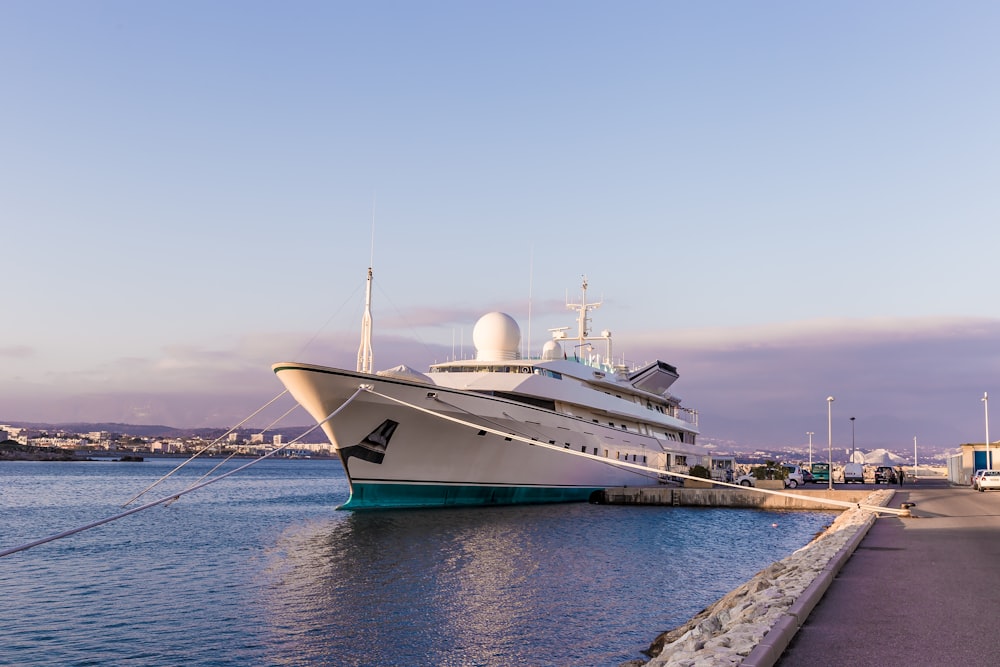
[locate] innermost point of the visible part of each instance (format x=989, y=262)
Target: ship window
x=552, y=442
x=583, y=449
x=507, y=439
x=644, y=458
x=482, y=433
x=611, y=424
x=605, y=453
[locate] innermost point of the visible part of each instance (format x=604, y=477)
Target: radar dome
x=552, y=350
x=496, y=337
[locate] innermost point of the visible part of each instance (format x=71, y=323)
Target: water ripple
x=261, y=570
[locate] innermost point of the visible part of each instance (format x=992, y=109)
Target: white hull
x=396, y=454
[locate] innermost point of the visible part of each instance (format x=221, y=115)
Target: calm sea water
x=260, y=570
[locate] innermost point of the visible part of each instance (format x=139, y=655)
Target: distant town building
x=15, y=433
x=167, y=446
x=971, y=457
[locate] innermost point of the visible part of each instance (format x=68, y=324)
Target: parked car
x=794, y=477
x=885, y=474
x=820, y=473
x=806, y=476
x=854, y=472
x=975, y=479
x=990, y=479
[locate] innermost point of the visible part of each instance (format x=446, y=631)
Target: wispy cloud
x=753, y=386
x=900, y=378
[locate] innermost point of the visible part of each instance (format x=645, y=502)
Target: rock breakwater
x=752, y=624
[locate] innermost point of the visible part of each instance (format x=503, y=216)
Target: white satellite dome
x=496, y=337
x=552, y=350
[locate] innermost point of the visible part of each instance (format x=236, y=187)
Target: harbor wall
x=797, y=499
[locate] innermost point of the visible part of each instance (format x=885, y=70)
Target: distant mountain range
x=160, y=431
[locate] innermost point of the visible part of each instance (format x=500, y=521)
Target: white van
x=854, y=472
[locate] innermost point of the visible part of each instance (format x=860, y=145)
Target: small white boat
x=499, y=429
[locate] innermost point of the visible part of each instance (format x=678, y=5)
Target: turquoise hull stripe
x=385, y=496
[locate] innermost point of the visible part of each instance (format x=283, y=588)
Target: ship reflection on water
x=551, y=584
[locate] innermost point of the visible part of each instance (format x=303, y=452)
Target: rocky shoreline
x=12, y=451
x=735, y=630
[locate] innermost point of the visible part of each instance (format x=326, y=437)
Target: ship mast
x=583, y=321
x=365, y=351
x=583, y=308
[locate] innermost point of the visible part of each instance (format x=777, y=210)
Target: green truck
x=820, y=473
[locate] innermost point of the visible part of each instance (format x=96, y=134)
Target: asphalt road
x=917, y=591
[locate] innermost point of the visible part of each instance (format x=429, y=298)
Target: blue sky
x=787, y=200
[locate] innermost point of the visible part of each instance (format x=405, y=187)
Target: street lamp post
x=986, y=408
x=810, y=434
x=829, y=438
x=914, y=458
x=852, y=439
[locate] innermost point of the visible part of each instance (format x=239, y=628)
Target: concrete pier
x=796, y=499
x=890, y=591
x=918, y=591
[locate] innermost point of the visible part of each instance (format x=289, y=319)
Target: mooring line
x=175, y=496
x=202, y=451
x=624, y=464
x=521, y=424
x=233, y=454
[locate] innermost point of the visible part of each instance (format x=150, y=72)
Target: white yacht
x=499, y=429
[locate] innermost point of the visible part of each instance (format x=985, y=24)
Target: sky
x=786, y=200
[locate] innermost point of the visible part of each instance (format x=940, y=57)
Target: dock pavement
x=923, y=590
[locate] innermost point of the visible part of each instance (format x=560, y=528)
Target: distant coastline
x=11, y=450
x=14, y=451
